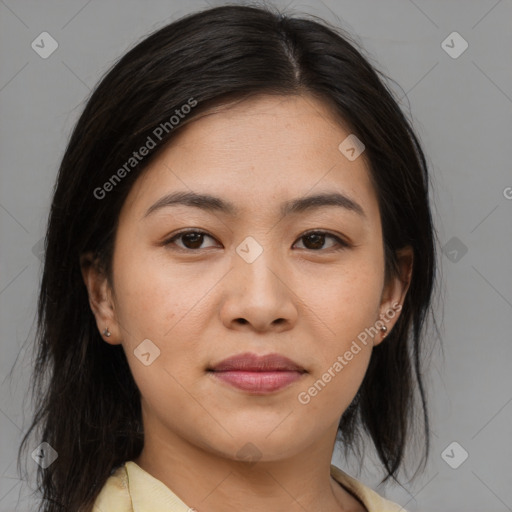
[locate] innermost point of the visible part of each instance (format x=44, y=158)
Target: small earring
x=107, y=333
x=384, y=330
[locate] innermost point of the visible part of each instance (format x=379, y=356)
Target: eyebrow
x=208, y=202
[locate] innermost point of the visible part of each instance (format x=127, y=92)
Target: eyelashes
x=319, y=235
x=199, y=236
x=192, y=239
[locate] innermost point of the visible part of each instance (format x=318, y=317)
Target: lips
x=253, y=363
x=258, y=374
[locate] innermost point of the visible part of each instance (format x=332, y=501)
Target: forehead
x=256, y=154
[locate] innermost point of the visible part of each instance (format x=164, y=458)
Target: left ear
x=394, y=292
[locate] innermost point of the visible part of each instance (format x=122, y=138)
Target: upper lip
x=254, y=363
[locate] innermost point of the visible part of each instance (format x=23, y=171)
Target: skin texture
x=300, y=298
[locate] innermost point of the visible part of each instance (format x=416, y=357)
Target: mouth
x=258, y=374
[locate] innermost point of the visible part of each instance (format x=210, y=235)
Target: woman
x=239, y=262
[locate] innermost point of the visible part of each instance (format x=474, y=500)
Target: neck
x=208, y=482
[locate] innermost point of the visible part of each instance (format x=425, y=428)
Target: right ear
x=100, y=298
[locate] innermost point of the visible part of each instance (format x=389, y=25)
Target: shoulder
x=131, y=489
x=114, y=495
x=370, y=499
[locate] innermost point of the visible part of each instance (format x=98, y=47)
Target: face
x=261, y=269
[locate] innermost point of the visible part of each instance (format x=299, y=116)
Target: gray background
x=462, y=111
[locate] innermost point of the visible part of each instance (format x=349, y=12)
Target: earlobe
x=100, y=299
x=394, y=292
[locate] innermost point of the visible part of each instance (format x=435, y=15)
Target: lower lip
x=259, y=382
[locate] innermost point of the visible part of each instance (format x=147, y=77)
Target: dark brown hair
x=88, y=405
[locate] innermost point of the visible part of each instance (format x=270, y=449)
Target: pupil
x=317, y=240
x=193, y=238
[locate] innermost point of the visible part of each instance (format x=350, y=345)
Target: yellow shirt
x=132, y=489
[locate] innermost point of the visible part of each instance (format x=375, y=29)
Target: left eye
x=191, y=239
x=315, y=240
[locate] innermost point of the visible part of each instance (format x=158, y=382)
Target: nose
x=257, y=296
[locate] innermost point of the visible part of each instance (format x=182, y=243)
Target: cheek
x=168, y=307
x=343, y=309
x=155, y=296
x=346, y=301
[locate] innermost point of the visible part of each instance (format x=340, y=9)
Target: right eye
x=191, y=239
